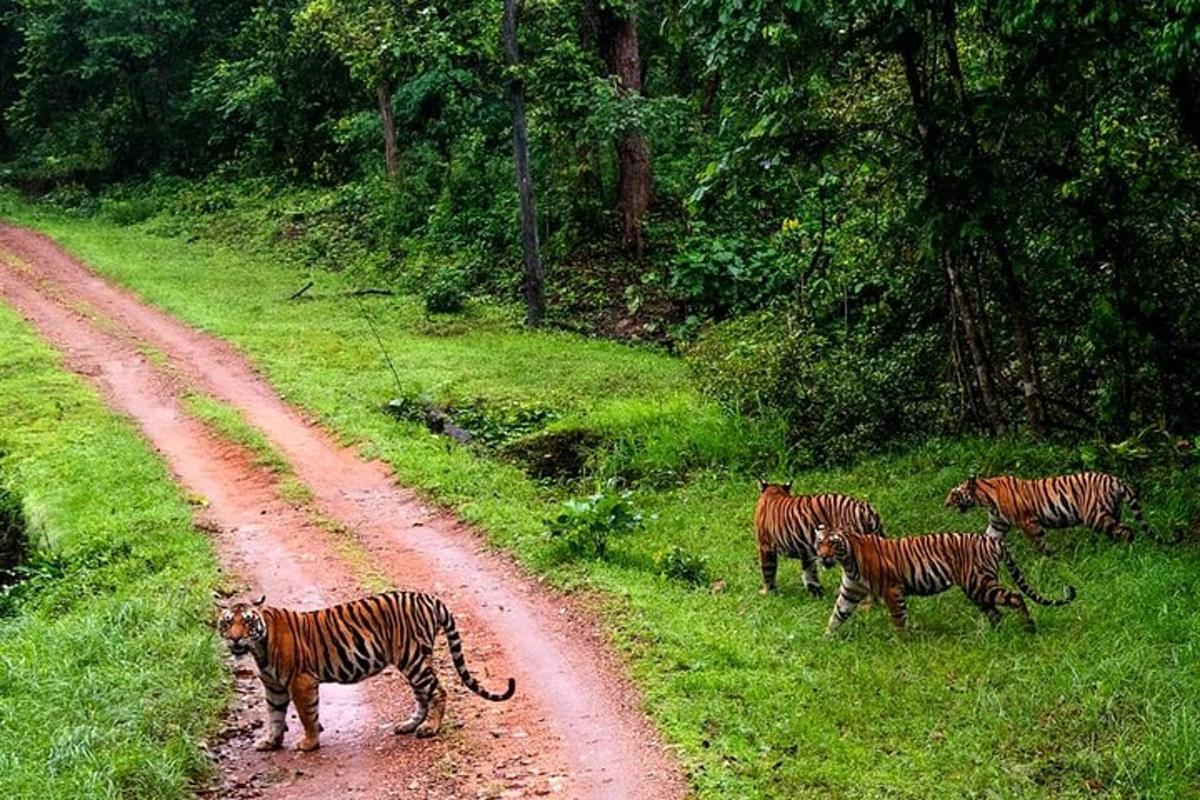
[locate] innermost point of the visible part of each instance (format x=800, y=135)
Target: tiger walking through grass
x=786, y=524
x=894, y=569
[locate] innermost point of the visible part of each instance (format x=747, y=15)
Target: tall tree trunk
x=928, y=134
x=1026, y=344
x=1187, y=101
x=1022, y=321
x=391, y=156
x=975, y=343
x=618, y=41
x=535, y=299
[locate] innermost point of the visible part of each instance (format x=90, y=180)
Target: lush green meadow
x=1101, y=700
x=109, y=676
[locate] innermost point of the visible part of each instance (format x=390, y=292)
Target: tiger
x=786, y=524
x=1086, y=498
x=892, y=569
x=296, y=651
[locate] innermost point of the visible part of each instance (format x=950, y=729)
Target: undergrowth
x=756, y=701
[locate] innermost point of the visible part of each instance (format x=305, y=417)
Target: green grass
x=109, y=674
x=759, y=704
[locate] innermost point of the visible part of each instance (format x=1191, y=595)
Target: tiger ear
x=971, y=481
x=762, y=484
x=787, y=487
x=819, y=532
x=262, y=598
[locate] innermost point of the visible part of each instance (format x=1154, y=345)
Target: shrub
x=445, y=292
x=677, y=564
x=585, y=525
x=836, y=397
x=1164, y=469
x=721, y=275
x=14, y=537
x=131, y=212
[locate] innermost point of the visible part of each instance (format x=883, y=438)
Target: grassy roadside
x=1101, y=700
x=109, y=678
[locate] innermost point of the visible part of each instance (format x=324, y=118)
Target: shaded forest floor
x=759, y=703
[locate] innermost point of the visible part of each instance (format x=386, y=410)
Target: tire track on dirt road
x=574, y=729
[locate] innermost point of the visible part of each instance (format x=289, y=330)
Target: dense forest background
x=867, y=222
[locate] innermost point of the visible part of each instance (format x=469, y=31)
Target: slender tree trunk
x=1022, y=321
x=535, y=300
x=927, y=131
x=391, y=156
x=1187, y=101
x=709, y=101
x=1026, y=344
x=618, y=40
x=975, y=343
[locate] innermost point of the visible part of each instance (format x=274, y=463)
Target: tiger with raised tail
x=893, y=569
x=786, y=524
x=1092, y=499
x=296, y=651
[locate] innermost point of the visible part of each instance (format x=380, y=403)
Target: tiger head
x=964, y=496
x=784, y=489
x=243, y=627
x=832, y=547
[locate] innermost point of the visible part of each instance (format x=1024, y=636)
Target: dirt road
x=574, y=728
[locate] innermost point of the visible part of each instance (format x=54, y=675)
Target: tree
x=265, y=94
x=104, y=85
x=368, y=36
x=535, y=301
x=10, y=87
x=617, y=37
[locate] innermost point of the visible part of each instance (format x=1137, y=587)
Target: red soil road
x=574, y=728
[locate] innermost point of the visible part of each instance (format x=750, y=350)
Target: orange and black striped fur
x=296, y=651
x=893, y=569
x=1086, y=498
x=786, y=525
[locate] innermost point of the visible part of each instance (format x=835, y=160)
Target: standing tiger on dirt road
x=893, y=569
x=1086, y=498
x=296, y=651
x=786, y=524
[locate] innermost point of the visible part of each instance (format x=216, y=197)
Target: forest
x=868, y=221
x=578, y=272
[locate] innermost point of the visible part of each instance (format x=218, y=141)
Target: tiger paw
x=308, y=744
x=426, y=731
x=268, y=743
x=815, y=590
x=404, y=728
x=766, y=590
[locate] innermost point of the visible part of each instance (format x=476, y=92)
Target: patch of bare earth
x=574, y=728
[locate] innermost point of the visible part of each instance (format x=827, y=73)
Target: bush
x=585, y=525
x=14, y=537
x=1162, y=468
x=721, y=275
x=678, y=564
x=445, y=292
x=837, y=398
x=131, y=212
